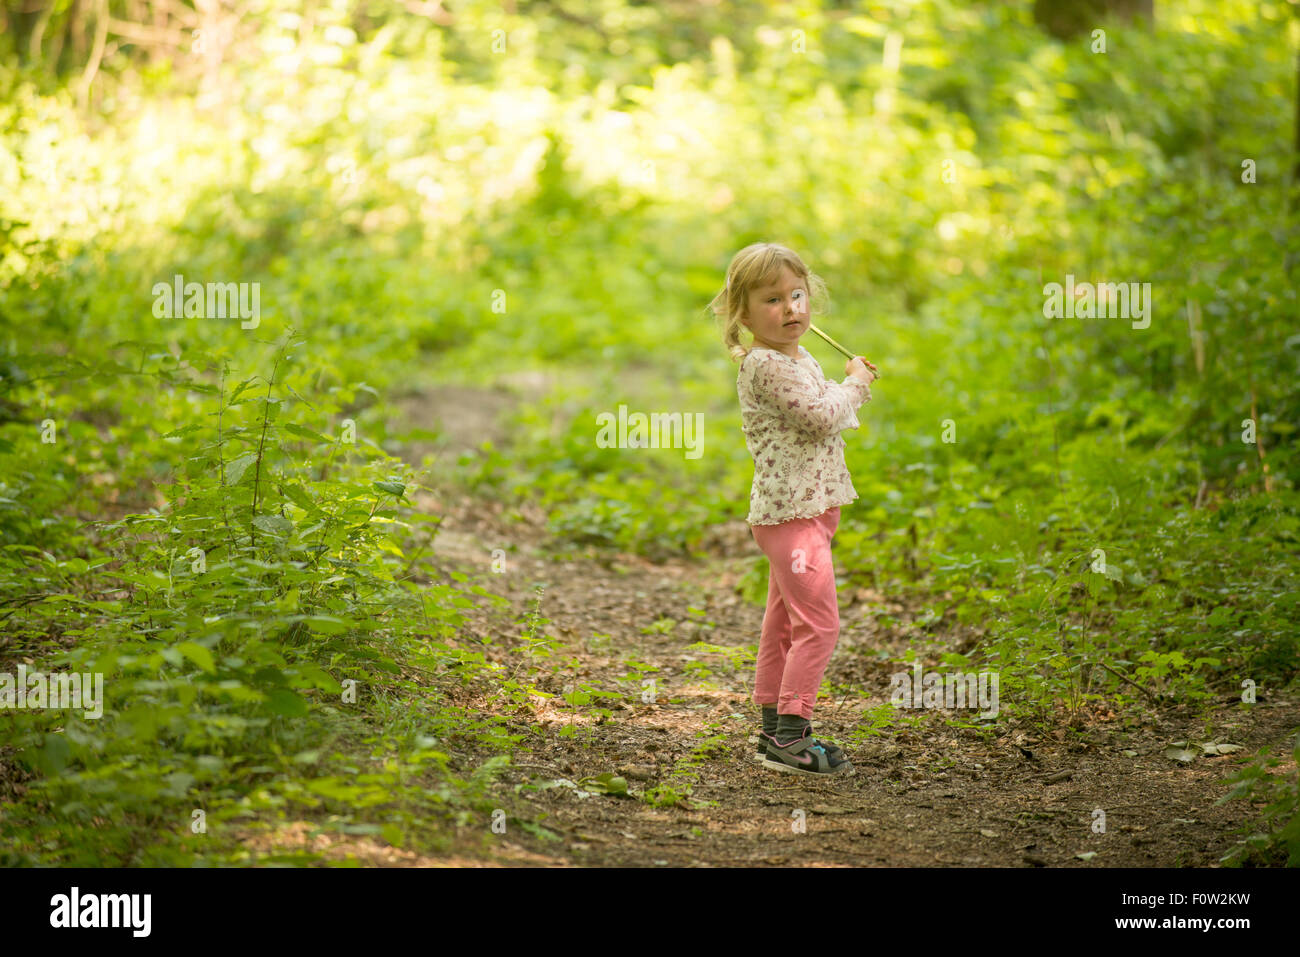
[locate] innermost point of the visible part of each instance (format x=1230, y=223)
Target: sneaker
x=805, y=755
x=833, y=751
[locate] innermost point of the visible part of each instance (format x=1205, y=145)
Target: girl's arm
x=789, y=391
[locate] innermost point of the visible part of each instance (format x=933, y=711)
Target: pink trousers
x=802, y=621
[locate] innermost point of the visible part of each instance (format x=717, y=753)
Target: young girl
x=792, y=418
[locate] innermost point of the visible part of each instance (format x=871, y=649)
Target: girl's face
x=777, y=313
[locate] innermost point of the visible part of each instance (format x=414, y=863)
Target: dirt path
x=921, y=795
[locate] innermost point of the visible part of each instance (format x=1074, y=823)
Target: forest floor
x=922, y=793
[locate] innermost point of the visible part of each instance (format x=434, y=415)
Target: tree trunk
x=1064, y=19
x=1295, y=170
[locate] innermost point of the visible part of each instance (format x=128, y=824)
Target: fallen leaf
x=605, y=784
x=1212, y=748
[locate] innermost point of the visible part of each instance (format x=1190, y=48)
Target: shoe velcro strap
x=797, y=746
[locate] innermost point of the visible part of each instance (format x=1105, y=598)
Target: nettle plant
x=256, y=606
x=1272, y=839
x=537, y=654
x=283, y=552
x=518, y=692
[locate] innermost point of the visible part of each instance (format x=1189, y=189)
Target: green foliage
x=1273, y=839
x=733, y=660
x=879, y=718
x=240, y=628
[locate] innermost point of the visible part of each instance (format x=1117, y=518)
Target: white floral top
x=792, y=417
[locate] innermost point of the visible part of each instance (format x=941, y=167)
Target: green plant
x=686, y=770
x=1173, y=673
x=875, y=720
x=1274, y=837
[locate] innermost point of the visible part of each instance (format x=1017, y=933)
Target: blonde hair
x=755, y=266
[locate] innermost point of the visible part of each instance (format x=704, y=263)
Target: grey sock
x=790, y=726
x=769, y=719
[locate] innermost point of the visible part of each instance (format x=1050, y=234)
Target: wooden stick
x=835, y=345
x=832, y=342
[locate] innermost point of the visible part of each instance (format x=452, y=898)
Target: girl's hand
x=861, y=368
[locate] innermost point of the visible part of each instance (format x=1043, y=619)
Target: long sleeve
x=821, y=410
x=850, y=418
x=792, y=416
